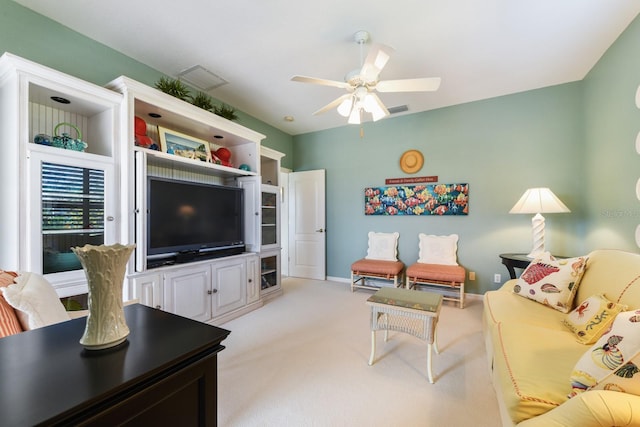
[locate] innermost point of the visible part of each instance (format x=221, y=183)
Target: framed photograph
x=179, y=144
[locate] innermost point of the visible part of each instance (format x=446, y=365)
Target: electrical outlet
x=497, y=278
x=472, y=275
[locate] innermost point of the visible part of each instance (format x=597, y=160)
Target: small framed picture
x=179, y=144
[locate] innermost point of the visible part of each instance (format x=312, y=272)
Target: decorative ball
x=245, y=167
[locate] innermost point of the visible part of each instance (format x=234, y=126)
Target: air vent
x=201, y=78
x=398, y=109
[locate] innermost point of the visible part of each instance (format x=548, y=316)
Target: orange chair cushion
x=442, y=273
x=372, y=266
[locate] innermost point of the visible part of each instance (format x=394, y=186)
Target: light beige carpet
x=301, y=360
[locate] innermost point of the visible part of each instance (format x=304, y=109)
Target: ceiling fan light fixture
x=370, y=104
x=354, y=117
x=344, y=109
x=378, y=114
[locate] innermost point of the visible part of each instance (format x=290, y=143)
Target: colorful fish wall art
x=431, y=199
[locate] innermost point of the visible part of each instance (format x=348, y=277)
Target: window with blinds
x=72, y=213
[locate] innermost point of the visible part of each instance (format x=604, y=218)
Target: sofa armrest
x=594, y=408
x=508, y=285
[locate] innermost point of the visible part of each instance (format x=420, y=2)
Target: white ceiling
x=480, y=48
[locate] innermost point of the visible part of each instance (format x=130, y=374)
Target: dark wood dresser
x=164, y=374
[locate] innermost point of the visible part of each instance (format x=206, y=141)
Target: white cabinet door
x=71, y=203
x=253, y=280
x=229, y=285
x=187, y=292
x=251, y=186
x=147, y=289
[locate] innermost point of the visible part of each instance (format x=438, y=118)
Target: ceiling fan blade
x=324, y=82
x=375, y=62
x=333, y=104
x=427, y=84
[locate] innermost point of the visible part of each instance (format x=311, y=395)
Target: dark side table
x=513, y=261
x=164, y=374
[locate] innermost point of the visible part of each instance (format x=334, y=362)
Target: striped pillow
x=9, y=324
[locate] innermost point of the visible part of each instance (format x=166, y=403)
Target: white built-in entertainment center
x=212, y=284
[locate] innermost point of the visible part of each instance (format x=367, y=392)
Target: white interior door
x=307, y=229
x=284, y=220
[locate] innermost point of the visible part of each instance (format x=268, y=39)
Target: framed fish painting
x=417, y=200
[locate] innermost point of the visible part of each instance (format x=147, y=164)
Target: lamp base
x=537, y=223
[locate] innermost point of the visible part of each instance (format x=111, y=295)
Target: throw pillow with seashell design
x=613, y=362
x=552, y=282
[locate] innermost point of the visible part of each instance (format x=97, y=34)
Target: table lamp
x=538, y=201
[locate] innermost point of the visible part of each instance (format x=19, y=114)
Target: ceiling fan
x=361, y=85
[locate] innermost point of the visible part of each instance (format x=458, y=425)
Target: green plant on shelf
x=176, y=88
x=203, y=101
x=173, y=87
x=225, y=111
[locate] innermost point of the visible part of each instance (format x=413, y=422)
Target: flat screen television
x=188, y=217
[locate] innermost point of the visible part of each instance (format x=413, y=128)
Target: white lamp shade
x=354, y=117
x=344, y=109
x=538, y=200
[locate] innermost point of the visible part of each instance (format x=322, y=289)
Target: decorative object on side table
x=104, y=266
x=538, y=201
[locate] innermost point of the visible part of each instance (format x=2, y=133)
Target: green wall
x=612, y=165
x=32, y=36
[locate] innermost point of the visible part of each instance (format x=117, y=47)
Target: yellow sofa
x=531, y=353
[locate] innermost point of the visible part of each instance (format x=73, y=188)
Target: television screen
x=187, y=216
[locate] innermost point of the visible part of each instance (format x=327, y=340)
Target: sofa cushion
x=9, y=323
x=505, y=306
x=383, y=246
x=615, y=272
x=592, y=318
x=552, y=282
x=532, y=364
x=36, y=302
x=438, y=249
x=612, y=363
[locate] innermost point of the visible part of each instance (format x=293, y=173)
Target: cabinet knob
x=320, y=230
x=250, y=280
x=110, y=218
x=158, y=307
x=213, y=291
